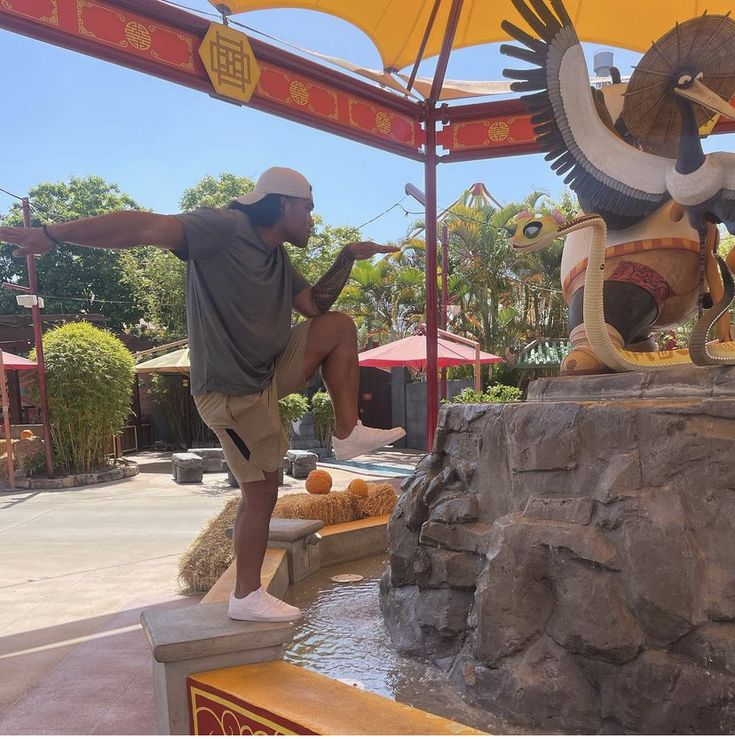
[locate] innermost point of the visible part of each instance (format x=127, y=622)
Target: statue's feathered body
x=651, y=281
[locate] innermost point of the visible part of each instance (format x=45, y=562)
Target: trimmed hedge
x=89, y=375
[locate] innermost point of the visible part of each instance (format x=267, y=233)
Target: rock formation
x=571, y=559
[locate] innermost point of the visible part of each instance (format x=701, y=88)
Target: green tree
x=506, y=297
x=502, y=298
x=158, y=280
x=74, y=279
x=215, y=192
x=386, y=300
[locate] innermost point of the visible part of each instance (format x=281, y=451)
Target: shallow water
x=342, y=636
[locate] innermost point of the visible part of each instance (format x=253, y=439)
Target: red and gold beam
x=160, y=40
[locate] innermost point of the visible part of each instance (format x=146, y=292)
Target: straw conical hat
x=705, y=44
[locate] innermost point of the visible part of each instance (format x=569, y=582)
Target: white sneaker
x=260, y=605
x=364, y=439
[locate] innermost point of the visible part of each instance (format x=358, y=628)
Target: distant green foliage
x=292, y=408
x=215, y=192
x=35, y=465
x=74, y=279
x=321, y=407
x=170, y=394
x=158, y=280
x=468, y=395
x=493, y=394
x=89, y=377
x=503, y=394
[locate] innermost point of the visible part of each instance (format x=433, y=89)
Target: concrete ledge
x=291, y=529
x=300, y=538
x=123, y=469
x=196, y=638
x=296, y=700
x=273, y=576
x=204, y=631
x=673, y=382
x=346, y=542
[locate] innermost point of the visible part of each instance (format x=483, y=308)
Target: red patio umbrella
x=14, y=362
x=411, y=352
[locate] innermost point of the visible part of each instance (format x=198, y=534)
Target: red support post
x=445, y=298
x=38, y=341
x=432, y=389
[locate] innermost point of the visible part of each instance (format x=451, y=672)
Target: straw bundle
x=24, y=452
x=210, y=554
x=332, y=508
x=380, y=500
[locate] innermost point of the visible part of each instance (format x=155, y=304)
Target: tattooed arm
x=328, y=288
x=320, y=298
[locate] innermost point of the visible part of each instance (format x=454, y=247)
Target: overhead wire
x=397, y=204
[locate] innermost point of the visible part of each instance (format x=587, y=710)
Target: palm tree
x=386, y=299
x=505, y=298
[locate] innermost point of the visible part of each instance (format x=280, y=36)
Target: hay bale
x=380, y=500
x=24, y=453
x=332, y=508
x=210, y=554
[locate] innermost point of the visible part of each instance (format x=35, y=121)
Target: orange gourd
x=26, y=434
x=318, y=482
x=358, y=486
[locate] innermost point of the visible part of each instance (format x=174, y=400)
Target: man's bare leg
x=332, y=343
x=250, y=536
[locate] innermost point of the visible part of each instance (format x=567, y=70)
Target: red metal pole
x=445, y=300
x=432, y=389
x=6, y=424
x=38, y=341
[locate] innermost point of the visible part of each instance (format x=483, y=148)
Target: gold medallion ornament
x=298, y=92
x=498, y=131
x=382, y=122
x=138, y=36
x=230, y=62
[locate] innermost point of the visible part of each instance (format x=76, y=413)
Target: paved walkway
x=76, y=568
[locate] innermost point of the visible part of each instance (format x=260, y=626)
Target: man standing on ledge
x=245, y=355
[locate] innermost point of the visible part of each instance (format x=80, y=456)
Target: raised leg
x=332, y=343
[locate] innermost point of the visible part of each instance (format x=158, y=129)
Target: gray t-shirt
x=238, y=302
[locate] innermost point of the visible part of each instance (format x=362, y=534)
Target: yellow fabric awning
x=397, y=27
x=174, y=362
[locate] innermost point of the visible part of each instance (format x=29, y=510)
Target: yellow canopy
x=174, y=362
x=397, y=27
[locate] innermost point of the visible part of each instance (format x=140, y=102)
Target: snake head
x=531, y=232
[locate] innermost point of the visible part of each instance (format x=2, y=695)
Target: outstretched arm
x=320, y=298
x=120, y=230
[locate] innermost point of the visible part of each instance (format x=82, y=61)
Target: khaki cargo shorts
x=248, y=426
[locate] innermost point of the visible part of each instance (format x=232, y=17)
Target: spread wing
x=609, y=176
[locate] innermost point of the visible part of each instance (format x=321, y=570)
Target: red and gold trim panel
x=214, y=712
x=487, y=133
x=124, y=31
x=305, y=96
x=633, y=247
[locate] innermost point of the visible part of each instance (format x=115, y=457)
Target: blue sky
x=67, y=114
